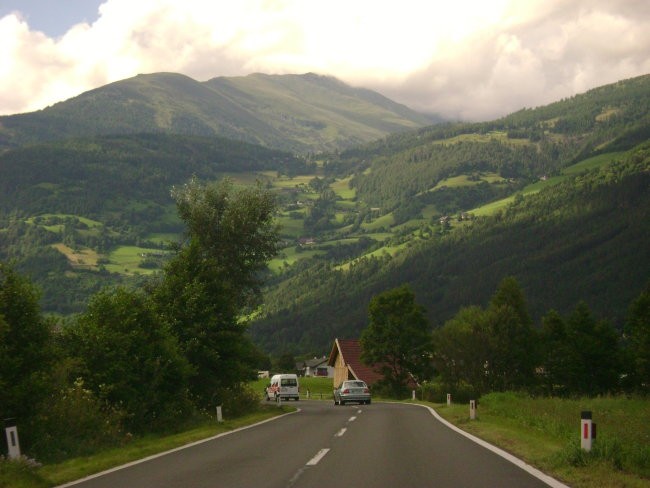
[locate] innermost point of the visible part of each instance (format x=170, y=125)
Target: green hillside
x=443, y=194
x=557, y=196
x=80, y=214
x=302, y=113
x=584, y=239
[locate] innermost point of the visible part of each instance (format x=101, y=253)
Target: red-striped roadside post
x=587, y=430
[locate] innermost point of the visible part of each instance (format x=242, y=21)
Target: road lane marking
x=176, y=449
x=316, y=459
x=352, y=419
x=341, y=432
x=549, y=480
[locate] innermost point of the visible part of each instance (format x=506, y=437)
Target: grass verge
x=544, y=432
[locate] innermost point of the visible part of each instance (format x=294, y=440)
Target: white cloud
x=469, y=59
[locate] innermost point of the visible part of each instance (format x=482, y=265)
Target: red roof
x=350, y=351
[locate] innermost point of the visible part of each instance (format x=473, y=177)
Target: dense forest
x=585, y=239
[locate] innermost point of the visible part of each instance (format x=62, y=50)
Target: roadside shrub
x=73, y=423
x=436, y=392
x=239, y=400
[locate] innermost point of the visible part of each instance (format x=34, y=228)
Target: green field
x=586, y=165
x=127, y=259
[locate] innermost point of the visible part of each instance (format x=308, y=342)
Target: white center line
x=352, y=419
x=341, y=432
x=316, y=459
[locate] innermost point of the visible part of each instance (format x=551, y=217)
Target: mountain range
x=371, y=194
x=292, y=112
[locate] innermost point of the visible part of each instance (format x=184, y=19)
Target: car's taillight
x=346, y=391
x=366, y=390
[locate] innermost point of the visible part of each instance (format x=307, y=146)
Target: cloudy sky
x=467, y=59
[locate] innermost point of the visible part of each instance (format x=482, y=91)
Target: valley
x=81, y=213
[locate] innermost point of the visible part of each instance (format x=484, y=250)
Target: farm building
x=345, y=358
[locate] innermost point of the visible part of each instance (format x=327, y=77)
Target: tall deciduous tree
x=397, y=338
x=25, y=352
x=491, y=349
x=214, y=276
x=130, y=359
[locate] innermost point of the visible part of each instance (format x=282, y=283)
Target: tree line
x=498, y=348
x=144, y=359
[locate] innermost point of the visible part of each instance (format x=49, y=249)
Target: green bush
x=436, y=392
x=239, y=401
x=74, y=423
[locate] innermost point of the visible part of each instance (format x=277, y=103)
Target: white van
x=283, y=386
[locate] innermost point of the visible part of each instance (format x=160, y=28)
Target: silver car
x=352, y=391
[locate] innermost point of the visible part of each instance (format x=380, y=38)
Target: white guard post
x=587, y=431
x=413, y=394
x=472, y=409
x=219, y=414
x=11, y=431
x=448, y=399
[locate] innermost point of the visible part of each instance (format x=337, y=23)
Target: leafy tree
x=130, y=358
x=214, y=277
x=489, y=350
x=637, y=330
x=460, y=353
x=25, y=346
x=397, y=338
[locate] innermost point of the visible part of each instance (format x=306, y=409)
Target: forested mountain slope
x=521, y=147
x=585, y=239
x=90, y=176
x=81, y=214
x=300, y=113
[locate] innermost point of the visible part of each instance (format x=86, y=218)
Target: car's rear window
x=355, y=384
x=288, y=382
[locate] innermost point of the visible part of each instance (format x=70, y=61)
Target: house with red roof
x=345, y=358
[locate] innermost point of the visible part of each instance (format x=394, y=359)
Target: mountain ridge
x=301, y=113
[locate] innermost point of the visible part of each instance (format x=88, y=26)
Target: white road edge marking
x=161, y=454
x=506, y=455
x=316, y=459
x=341, y=432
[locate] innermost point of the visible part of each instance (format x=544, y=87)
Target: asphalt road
x=322, y=445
